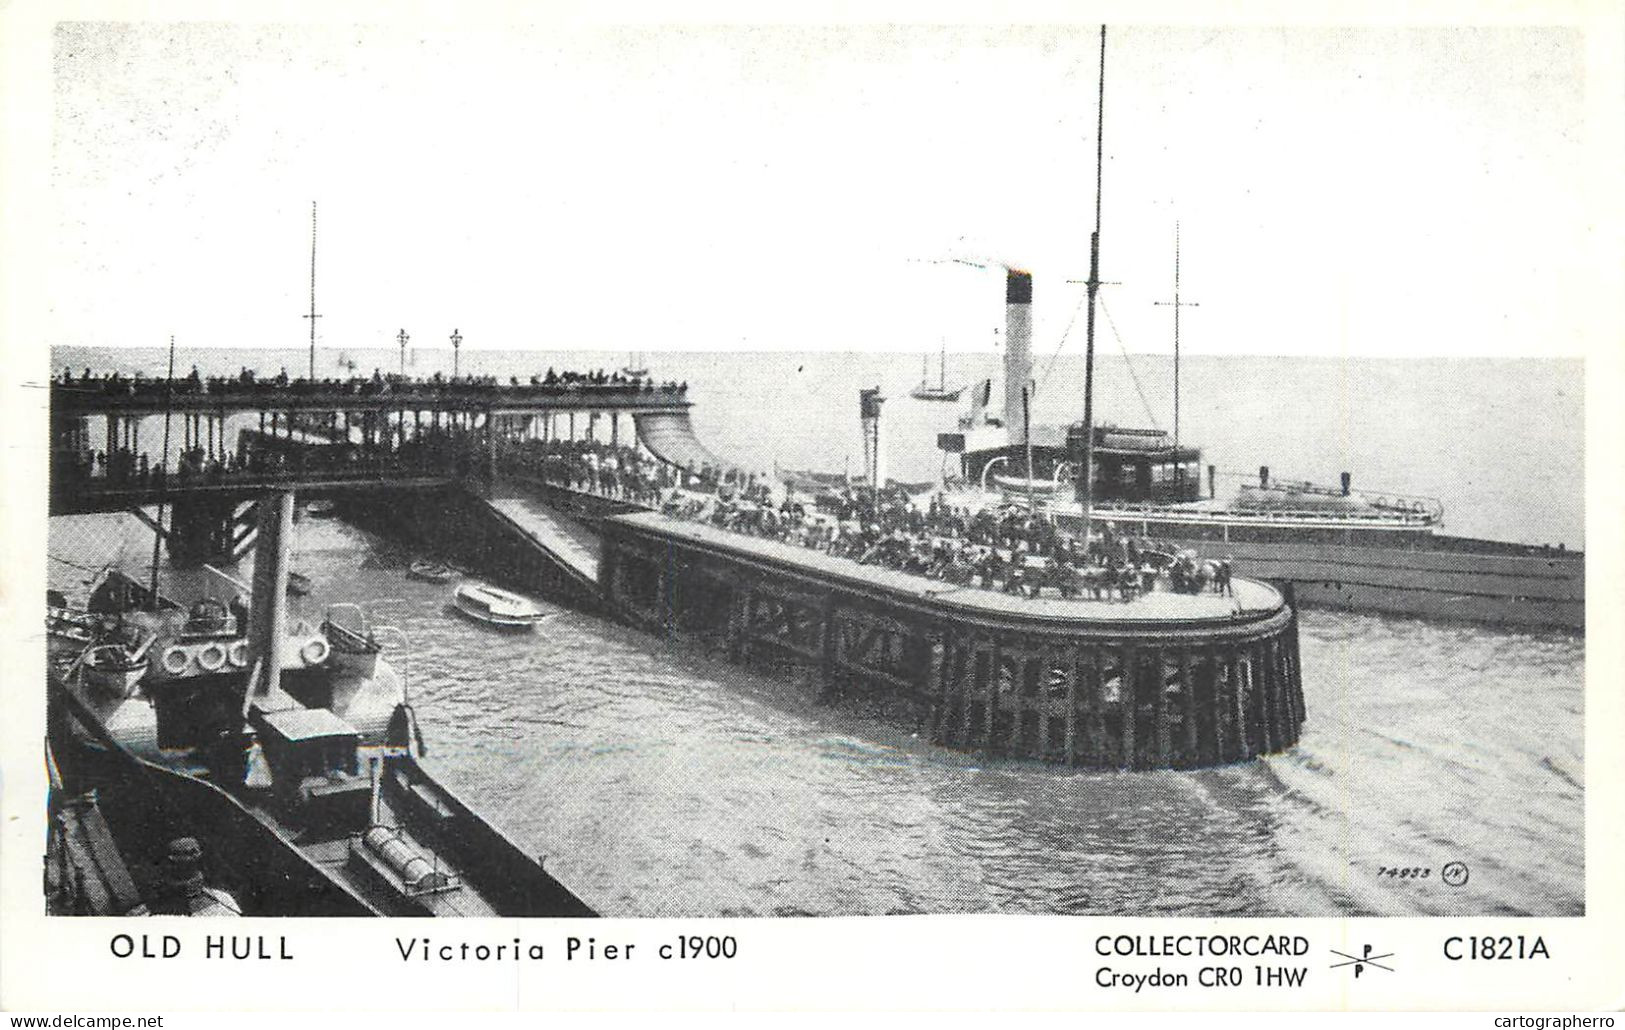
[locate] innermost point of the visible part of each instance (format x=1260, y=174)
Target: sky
x=1356, y=191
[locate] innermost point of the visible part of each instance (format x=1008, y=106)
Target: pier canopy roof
x=670, y=437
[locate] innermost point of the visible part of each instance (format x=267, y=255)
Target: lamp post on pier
x=402, y=337
x=456, y=346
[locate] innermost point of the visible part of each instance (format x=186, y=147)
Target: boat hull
x=431, y=573
x=512, y=625
x=273, y=868
x=1447, y=578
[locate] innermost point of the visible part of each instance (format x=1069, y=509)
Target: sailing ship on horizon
x=940, y=392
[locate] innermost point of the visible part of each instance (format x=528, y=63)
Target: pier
x=505, y=478
x=1163, y=681
x=231, y=439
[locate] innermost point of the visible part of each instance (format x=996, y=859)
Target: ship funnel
x=874, y=455
x=1018, y=350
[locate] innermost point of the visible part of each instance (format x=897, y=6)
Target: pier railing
x=1409, y=519
x=119, y=394
x=78, y=489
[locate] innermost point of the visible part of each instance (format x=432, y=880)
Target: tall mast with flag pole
x=1086, y=465
x=1176, y=304
x=313, y=316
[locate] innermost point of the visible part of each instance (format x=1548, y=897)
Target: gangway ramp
x=571, y=544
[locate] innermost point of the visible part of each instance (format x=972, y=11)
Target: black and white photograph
x=716, y=472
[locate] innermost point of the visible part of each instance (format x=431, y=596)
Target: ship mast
x=163, y=477
x=1086, y=465
x=313, y=316
x=1176, y=304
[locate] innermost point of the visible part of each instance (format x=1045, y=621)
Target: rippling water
x=662, y=782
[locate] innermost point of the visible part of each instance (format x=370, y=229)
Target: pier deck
x=1159, y=608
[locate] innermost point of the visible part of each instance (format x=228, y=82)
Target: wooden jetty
x=1163, y=681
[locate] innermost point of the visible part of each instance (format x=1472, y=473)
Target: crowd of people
x=1007, y=550
x=589, y=466
x=262, y=457
x=552, y=383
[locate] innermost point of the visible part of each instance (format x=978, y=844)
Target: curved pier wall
x=1100, y=693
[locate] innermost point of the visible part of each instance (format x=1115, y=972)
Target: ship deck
x=333, y=854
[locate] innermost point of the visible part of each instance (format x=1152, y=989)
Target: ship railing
x=1285, y=516
x=1392, y=502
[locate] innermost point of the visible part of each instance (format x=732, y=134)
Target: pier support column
x=1295, y=671
x=995, y=680
x=936, y=677
x=740, y=616
x=1260, y=698
x=1222, y=707
x=1187, y=694
x=1095, y=709
x=1129, y=701
x=1073, y=671
x=490, y=476
x=1283, y=690
x=664, y=588
x=1238, y=703
x=1159, y=682
x=267, y=621
x=829, y=643
x=979, y=667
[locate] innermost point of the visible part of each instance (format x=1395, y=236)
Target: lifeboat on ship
x=114, y=669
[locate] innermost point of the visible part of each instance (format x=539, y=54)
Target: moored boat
x=431, y=571
x=494, y=607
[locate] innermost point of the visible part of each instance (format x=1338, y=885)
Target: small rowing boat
x=430, y=571
x=494, y=607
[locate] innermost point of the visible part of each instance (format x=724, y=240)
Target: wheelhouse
x=1130, y=465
